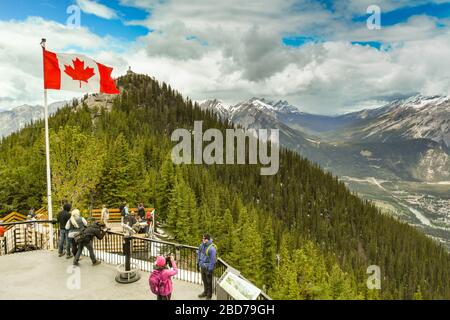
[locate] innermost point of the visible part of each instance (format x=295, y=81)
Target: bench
x=114, y=214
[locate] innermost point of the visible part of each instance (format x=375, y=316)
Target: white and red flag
x=76, y=72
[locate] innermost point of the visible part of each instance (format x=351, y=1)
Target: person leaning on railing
x=85, y=238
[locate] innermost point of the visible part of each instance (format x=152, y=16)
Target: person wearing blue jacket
x=206, y=261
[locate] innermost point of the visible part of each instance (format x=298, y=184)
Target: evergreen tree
x=182, y=217
x=118, y=181
x=164, y=186
x=269, y=254
x=340, y=285
x=225, y=233
x=311, y=272
x=285, y=286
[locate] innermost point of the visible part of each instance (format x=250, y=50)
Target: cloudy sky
x=319, y=55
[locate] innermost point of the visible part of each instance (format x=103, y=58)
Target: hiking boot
x=202, y=295
x=96, y=263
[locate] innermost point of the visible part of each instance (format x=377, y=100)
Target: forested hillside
x=324, y=236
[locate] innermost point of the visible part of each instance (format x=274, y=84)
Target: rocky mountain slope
x=405, y=139
x=18, y=117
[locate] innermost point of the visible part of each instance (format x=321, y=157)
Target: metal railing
x=25, y=236
x=34, y=235
x=144, y=252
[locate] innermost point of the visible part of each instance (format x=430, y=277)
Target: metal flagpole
x=47, y=155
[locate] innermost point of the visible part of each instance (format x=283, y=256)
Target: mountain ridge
x=18, y=117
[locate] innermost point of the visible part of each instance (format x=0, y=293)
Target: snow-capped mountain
x=418, y=117
x=18, y=117
x=407, y=138
x=244, y=113
x=274, y=108
x=218, y=107
x=259, y=113
x=253, y=113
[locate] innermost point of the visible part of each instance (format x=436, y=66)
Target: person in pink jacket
x=160, y=279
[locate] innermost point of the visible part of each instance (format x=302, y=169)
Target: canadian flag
x=76, y=72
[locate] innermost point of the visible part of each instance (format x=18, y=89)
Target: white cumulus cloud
x=233, y=50
x=98, y=9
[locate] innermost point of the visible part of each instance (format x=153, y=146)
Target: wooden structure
x=114, y=214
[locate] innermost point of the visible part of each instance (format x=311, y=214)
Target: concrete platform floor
x=43, y=275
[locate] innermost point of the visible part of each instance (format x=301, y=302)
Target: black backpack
x=80, y=237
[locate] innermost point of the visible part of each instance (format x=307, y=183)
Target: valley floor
x=423, y=205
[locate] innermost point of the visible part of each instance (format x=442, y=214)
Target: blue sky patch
x=297, y=41
x=441, y=10
x=373, y=44
x=57, y=11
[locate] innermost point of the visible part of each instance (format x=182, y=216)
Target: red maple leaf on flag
x=78, y=72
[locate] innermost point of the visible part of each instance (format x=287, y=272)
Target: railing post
x=127, y=252
x=26, y=238
x=15, y=239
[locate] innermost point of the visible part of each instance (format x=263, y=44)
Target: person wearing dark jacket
x=62, y=218
x=98, y=230
x=141, y=211
x=206, y=261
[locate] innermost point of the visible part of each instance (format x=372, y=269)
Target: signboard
x=238, y=288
